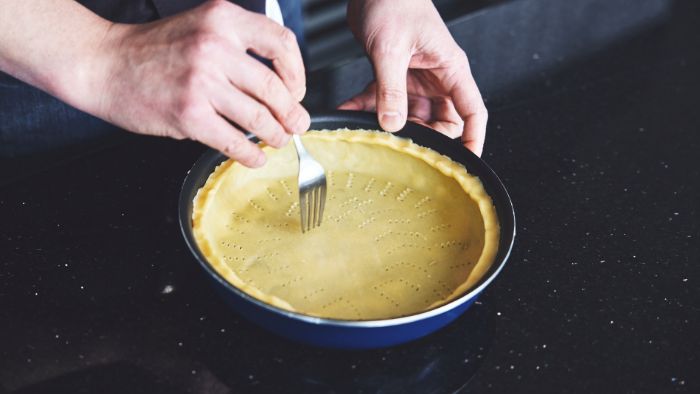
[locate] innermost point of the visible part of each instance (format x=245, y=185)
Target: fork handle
x=301, y=151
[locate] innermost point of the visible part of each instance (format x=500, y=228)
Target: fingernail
x=391, y=121
x=260, y=160
x=300, y=93
x=303, y=122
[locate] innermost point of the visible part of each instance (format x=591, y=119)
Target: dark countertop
x=98, y=292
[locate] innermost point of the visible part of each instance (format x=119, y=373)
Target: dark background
x=594, y=129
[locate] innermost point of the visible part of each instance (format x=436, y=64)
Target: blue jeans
x=32, y=122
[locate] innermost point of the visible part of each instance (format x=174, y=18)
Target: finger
x=392, y=103
x=445, y=119
x=365, y=101
x=250, y=115
x=229, y=140
x=419, y=107
x=352, y=105
x=470, y=106
x=419, y=121
x=265, y=86
x=270, y=40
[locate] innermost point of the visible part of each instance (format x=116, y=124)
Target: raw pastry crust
x=405, y=228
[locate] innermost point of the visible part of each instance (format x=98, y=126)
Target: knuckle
x=389, y=94
x=234, y=149
x=455, y=60
x=189, y=110
x=462, y=55
x=213, y=9
x=385, y=49
x=192, y=83
x=269, y=83
x=290, y=116
x=287, y=37
x=190, y=80
x=482, y=111
x=278, y=139
x=238, y=150
x=258, y=120
x=201, y=46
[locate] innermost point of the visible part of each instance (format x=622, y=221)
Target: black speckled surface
x=99, y=294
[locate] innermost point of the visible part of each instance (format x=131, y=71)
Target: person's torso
x=139, y=11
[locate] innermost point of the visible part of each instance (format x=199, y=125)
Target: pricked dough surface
x=405, y=228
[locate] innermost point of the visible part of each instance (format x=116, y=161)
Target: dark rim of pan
x=201, y=170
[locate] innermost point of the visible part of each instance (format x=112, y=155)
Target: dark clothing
x=32, y=121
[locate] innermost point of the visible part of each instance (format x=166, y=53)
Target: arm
x=421, y=73
x=51, y=45
x=188, y=76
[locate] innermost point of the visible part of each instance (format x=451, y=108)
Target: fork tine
x=303, y=208
x=310, y=217
x=317, y=206
x=323, y=202
x=314, y=204
x=312, y=208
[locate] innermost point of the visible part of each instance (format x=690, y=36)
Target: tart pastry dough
x=405, y=229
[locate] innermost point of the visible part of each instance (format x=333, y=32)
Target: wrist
x=81, y=81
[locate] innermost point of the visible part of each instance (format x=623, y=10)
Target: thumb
x=392, y=104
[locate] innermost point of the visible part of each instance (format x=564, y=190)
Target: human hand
x=421, y=73
x=189, y=76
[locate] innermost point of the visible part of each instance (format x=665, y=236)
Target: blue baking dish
x=363, y=334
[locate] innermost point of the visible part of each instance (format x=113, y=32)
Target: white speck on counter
x=535, y=56
x=194, y=372
x=167, y=289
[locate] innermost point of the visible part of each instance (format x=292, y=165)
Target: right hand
x=189, y=76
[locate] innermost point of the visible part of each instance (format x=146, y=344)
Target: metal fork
x=312, y=188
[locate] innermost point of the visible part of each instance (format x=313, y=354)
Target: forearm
x=188, y=76
x=52, y=44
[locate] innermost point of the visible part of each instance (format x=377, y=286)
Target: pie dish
x=406, y=229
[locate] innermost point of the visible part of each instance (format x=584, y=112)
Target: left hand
x=421, y=73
